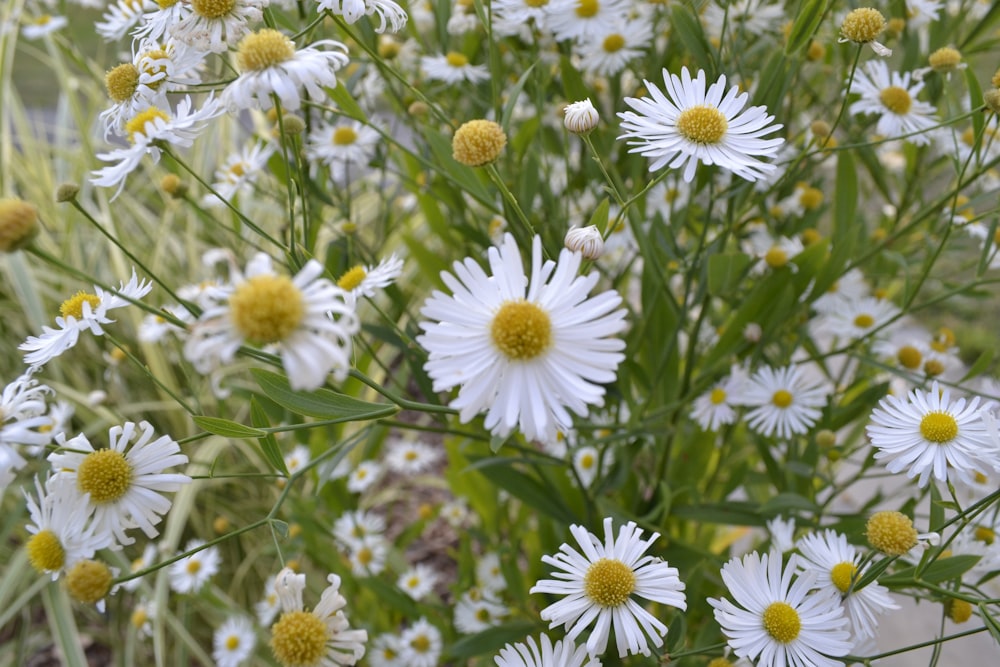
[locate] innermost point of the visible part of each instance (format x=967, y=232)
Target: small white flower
x=238, y=173
x=215, y=26
x=892, y=96
x=489, y=575
x=353, y=526
x=367, y=555
x=364, y=281
x=121, y=16
x=390, y=16
x=715, y=407
x=476, y=611
x=268, y=606
x=420, y=645
x=782, y=534
x=564, y=653
x=62, y=532
x=453, y=67
x=582, y=20
x=609, y=51
x=785, y=401
x=409, y=457
x=233, y=642
x=144, y=561
x=297, y=459
x=346, y=146
x=418, y=581
x=191, y=573
x=363, y=476
x=580, y=117
x=39, y=26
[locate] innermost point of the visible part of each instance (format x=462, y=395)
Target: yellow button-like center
x=891, y=532
x=939, y=427
x=232, y=642
x=782, y=622
x=299, y=639
x=842, y=574
x=456, y=59
x=863, y=25
x=193, y=566
x=263, y=49
x=420, y=643
x=138, y=123
x=587, y=461
x=863, y=321
x=344, y=136
x=613, y=42
x=139, y=618
x=909, y=357
x=811, y=198
x=45, y=552
x=781, y=398
x=105, y=475
x=121, y=82
x=776, y=257
x=267, y=308
x=213, y=9
x=521, y=330
x=933, y=367
x=352, y=278
x=896, y=99
x=702, y=124
x=984, y=534
x=73, y=306
x=88, y=581
x=536, y=3
x=609, y=582
x=588, y=8
x=717, y=396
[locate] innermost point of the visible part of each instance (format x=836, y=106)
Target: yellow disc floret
x=105, y=475
x=781, y=621
x=121, y=82
x=811, y=198
x=213, y=9
x=18, y=223
x=263, y=49
x=909, y=357
x=456, y=59
x=344, y=136
x=478, y=142
x=267, y=308
x=939, y=427
x=842, y=574
x=609, y=582
x=945, y=59
x=586, y=9
x=521, y=330
x=896, y=100
x=864, y=321
x=138, y=123
x=299, y=639
x=613, y=42
x=717, y=396
x=776, y=257
x=702, y=124
x=89, y=581
x=45, y=551
x=863, y=25
x=957, y=610
x=73, y=306
x=891, y=532
x=354, y=277
x=781, y=398
x=420, y=643
x=984, y=534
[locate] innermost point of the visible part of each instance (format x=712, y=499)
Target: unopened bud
x=581, y=117
x=292, y=124
x=18, y=224
x=173, y=186
x=585, y=240
x=67, y=192
x=992, y=100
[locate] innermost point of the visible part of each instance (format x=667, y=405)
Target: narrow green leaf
x=62, y=625
x=937, y=509
x=873, y=572
x=574, y=88
x=725, y=271
x=845, y=204
x=943, y=569
x=529, y=491
x=226, y=428
x=512, y=97
x=975, y=101
x=687, y=28
x=268, y=443
x=491, y=640
x=808, y=19
x=981, y=364
x=600, y=216
x=321, y=403
x=346, y=103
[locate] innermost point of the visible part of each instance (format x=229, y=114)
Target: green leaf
x=686, y=27
x=227, y=428
x=943, y=569
x=600, y=216
x=874, y=572
x=512, y=96
x=735, y=513
x=937, y=508
x=845, y=203
x=320, y=403
x=268, y=443
x=527, y=489
x=574, y=88
x=346, y=103
x=975, y=101
x=725, y=272
x=491, y=640
x=980, y=365
x=806, y=23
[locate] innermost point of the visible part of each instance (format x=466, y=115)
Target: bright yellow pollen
x=702, y=124
x=896, y=99
x=456, y=59
x=88, y=581
x=608, y=582
x=958, y=611
x=420, y=643
x=478, y=142
x=933, y=367
x=365, y=556
x=153, y=70
x=213, y=9
x=344, y=136
x=73, y=306
x=521, y=330
x=909, y=357
x=984, y=534
x=263, y=49
x=776, y=257
x=299, y=639
x=891, y=532
x=121, y=82
x=717, y=396
x=166, y=4
x=863, y=321
x=352, y=278
x=587, y=461
x=536, y=3
x=811, y=198
x=138, y=124
x=613, y=43
x=45, y=552
x=782, y=398
x=939, y=427
x=410, y=455
x=139, y=618
x=267, y=308
x=863, y=25
x=781, y=622
x=588, y=8
x=105, y=475
x=232, y=642
x=944, y=59
x=842, y=574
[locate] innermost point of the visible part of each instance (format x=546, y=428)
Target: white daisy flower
x=387, y=650
x=146, y=131
x=364, y=280
x=409, y=457
x=363, y=476
x=346, y=146
x=390, y=16
x=922, y=12
x=125, y=480
x=84, y=311
x=297, y=459
x=23, y=423
x=144, y=561
x=367, y=555
x=857, y=319
x=351, y=527
x=892, y=97
x=744, y=18
x=217, y=25
x=420, y=645
x=523, y=350
x=62, y=532
x=238, y=173
x=782, y=534
x=456, y=513
x=307, y=317
x=142, y=617
x=513, y=14
x=588, y=459
x=777, y=622
x=715, y=407
x=690, y=124
x=928, y=434
x=564, y=653
x=836, y=565
x=318, y=637
x=612, y=49
x=489, y=575
x=157, y=23
x=233, y=642
x=36, y=27
x=785, y=401
x=191, y=573
x=418, y=581
x=453, y=67
x=270, y=65
x=583, y=20
x=268, y=606
x=476, y=611
x=599, y=585
x=122, y=16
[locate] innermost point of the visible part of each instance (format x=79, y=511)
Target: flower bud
x=585, y=240
x=18, y=224
x=67, y=192
x=581, y=117
x=478, y=143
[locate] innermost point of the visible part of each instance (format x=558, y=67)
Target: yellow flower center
x=410, y=455
x=299, y=639
x=939, y=427
x=609, y=582
x=238, y=169
x=478, y=142
x=896, y=99
x=263, y=49
x=702, y=124
x=863, y=321
x=267, y=308
x=717, y=396
x=909, y=357
x=588, y=8
x=121, y=82
x=365, y=556
x=105, y=475
x=984, y=534
x=842, y=574
x=944, y=59
x=891, y=532
x=232, y=642
x=587, y=461
x=344, y=136
x=781, y=622
x=811, y=198
x=18, y=223
x=213, y=9
x=73, y=306
x=521, y=330
x=456, y=59
x=152, y=70
x=138, y=124
x=957, y=610
x=613, y=43
x=45, y=552
x=193, y=566
x=420, y=643
x=88, y=581
x=933, y=367
x=166, y=4
x=781, y=398
x=483, y=615
x=776, y=257
x=139, y=618
x=863, y=25
x=352, y=278
x=536, y=3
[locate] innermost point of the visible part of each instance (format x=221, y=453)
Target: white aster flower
x=363, y=476
x=892, y=97
x=609, y=51
x=145, y=560
x=233, y=642
x=364, y=280
x=367, y=555
x=418, y=581
x=857, y=319
x=351, y=527
x=142, y=617
x=928, y=434
x=321, y=637
x=744, y=18
x=217, y=25
x=239, y=173
x=420, y=645
x=125, y=480
x=191, y=573
x=386, y=651
x=297, y=459
x=785, y=401
x=716, y=407
x=777, y=622
x=390, y=15
x=345, y=146
x=489, y=575
x=922, y=12
x=62, y=532
x=836, y=565
x=84, y=311
x=36, y=27
x=588, y=460
x=453, y=67
x=583, y=20
x=690, y=124
x=782, y=534
x=157, y=23
x=510, y=15
x=599, y=585
x=121, y=16
x=523, y=350
x=307, y=317
x=270, y=65
x=268, y=606
x=564, y=653
x=409, y=457
x=476, y=611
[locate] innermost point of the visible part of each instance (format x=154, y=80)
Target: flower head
x=190, y=573
x=581, y=117
x=233, y=642
x=18, y=224
x=892, y=96
x=478, y=143
x=863, y=26
x=61, y=530
x=564, y=653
